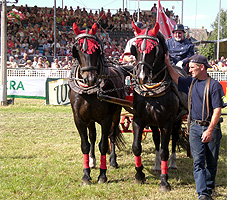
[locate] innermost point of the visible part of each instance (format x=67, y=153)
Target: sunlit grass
x=40, y=158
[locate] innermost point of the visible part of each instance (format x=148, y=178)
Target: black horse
x=88, y=78
x=156, y=101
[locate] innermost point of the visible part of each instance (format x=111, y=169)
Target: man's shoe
x=204, y=197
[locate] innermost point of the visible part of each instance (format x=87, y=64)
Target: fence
x=59, y=73
x=48, y=73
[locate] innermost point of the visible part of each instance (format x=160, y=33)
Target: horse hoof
x=102, y=180
x=86, y=182
x=172, y=168
x=140, y=181
x=114, y=165
x=165, y=188
x=156, y=171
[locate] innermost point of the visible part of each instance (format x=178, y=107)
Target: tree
x=208, y=49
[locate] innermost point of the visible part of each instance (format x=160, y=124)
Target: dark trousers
x=205, y=157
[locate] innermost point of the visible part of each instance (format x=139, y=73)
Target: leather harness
x=205, y=100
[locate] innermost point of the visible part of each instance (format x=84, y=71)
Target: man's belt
x=200, y=122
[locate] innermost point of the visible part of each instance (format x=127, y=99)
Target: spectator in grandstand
x=31, y=51
x=37, y=53
x=46, y=45
x=55, y=64
x=17, y=60
x=115, y=53
x=35, y=62
x=102, y=14
x=108, y=14
x=180, y=49
x=29, y=65
x=108, y=49
x=23, y=61
x=40, y=65
x=154, y=10
x=46, y=65
x=11, y=63
x=10, y=43
x=45, y=60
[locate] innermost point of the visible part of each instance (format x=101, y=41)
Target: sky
x=196, y=13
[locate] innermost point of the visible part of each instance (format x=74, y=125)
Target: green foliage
x=208, y=49
x=223, y=25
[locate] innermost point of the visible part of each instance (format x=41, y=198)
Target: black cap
x=138, y=24
x=178, y=27
x=200, y=59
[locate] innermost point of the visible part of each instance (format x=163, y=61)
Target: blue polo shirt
x=216, y=96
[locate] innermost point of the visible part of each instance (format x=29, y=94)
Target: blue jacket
x=180, y=51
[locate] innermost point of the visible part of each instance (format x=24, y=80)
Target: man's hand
x=207, y=136
x=180, y=64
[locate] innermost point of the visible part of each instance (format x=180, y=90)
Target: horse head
x=149, y=49
x=88, y=51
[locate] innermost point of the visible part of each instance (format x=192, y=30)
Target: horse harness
x=152, y=89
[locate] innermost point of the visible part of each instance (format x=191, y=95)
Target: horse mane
x=162, y=41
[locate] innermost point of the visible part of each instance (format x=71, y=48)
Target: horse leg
x=92, y=137
x=103, y=147
x=137, y=149
x=164, y=153
x=85, y=147
x=175, y=136
x=156, y=139
x=113, y=157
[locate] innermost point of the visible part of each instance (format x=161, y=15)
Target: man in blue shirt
x=180, y=49
x=205, y=135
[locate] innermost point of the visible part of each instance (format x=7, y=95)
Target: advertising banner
x=57, y=91
x=26, y=87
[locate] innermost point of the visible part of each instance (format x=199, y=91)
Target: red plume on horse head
x=92, y=31
x=87, y=45
x=151, y=32
x=148, y=44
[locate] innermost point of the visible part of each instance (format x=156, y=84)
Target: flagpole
x=182, y=12
x=219, y=13
x=138, y=11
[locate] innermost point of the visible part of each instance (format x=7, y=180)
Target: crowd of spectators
x=218, y=65
x=34, y=35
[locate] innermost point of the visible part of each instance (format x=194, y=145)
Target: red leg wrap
x=86, y=161
x=138, y=161
x=164, y=167
x=103, y=162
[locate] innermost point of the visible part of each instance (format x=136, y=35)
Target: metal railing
x=60, y=73
x=48, y=73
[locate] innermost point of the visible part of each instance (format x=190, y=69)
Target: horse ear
x=76, y=29
x=93, y=29
x=136, y=28
x=155, y=30
x=133, y=50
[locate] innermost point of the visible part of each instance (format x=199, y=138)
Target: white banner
x=26, y=87
x=57, y=92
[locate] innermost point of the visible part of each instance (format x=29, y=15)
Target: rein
x=152, y=89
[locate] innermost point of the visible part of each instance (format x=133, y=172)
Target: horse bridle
x=87, y=36
x=143, y=48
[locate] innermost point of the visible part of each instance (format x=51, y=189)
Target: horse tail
x=120, y=140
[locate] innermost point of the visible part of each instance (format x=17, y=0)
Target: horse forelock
x=92, y=45
x=149, y=45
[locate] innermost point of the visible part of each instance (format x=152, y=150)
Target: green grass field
x=40, y=158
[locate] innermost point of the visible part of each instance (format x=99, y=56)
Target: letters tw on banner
x=166, y=24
